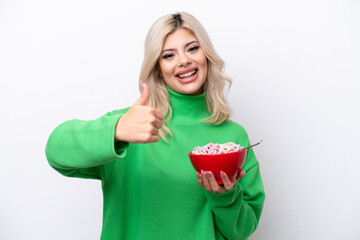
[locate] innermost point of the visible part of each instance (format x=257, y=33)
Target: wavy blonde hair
x=151, y=73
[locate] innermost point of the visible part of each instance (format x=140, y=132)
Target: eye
x=167, y=56
x=193, y=49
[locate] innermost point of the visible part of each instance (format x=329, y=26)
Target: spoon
x=252, y=145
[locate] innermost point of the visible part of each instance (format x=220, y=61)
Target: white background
x=295, y=70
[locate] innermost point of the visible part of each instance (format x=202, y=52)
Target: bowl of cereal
x=228, y=157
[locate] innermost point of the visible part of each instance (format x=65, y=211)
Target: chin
x=193, y=88
x=196, y=90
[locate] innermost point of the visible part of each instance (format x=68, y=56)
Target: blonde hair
x=150, y=70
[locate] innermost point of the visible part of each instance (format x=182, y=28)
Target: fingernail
x=198, y=175
x=208, y=174
x=203, y=174
x=222, y=174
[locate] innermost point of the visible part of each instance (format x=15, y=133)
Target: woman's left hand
x=207, y=180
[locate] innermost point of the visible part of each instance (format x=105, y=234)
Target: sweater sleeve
x=86, y=149
x=237, y=212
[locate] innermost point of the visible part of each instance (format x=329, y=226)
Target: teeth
x=187, y=74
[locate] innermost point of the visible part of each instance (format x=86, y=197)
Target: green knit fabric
x=151, y=190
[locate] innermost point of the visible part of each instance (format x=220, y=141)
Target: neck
x=187, y=107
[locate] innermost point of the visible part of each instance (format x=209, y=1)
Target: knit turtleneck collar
x=187, y=107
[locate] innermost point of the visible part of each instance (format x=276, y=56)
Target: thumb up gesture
x=141, y=123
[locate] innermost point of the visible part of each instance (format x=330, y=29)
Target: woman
x=150, y=189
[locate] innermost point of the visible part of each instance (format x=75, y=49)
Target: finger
x=155, y=131
x=157, y=123
x=213, y=183
x=151, y=139
x=205, y=181
x=241, y=174
x=198, y=175
x=158, y=114
x=143, y=99
x=228, y=185
x=154, y=139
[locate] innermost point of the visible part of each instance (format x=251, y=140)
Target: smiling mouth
x=188, y=74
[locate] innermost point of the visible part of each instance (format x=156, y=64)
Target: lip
x=185, y=70
x=188, y=79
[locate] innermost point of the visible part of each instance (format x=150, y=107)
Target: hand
x=141, y=123
x=207, y=180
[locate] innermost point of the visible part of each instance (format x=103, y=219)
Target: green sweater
x=150, y=190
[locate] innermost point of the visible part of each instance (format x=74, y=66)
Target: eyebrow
x=186, y=45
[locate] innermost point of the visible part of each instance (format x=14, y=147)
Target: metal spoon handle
x=253, y=145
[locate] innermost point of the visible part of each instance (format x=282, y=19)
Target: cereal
x=216, y=148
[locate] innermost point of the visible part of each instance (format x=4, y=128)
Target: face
x=183, y=63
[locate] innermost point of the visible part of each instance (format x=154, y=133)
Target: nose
x=184, y=60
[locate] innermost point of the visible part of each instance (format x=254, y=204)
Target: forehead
x=179, y=38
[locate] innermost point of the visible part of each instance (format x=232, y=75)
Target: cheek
x=205, y=69
x=165, y=69
x=204, y=64
x=202, y=60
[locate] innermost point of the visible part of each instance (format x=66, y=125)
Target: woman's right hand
x=141, y=123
